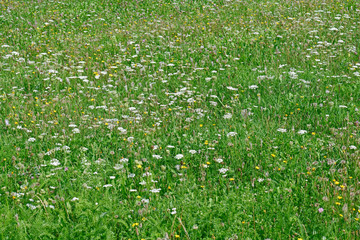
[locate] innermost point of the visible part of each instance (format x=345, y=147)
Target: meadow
x=226, y=119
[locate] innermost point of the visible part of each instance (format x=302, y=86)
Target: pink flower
x=320, y=210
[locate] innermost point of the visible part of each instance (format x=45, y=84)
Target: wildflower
x=155, y=190
x=231, y=134
x=320, y=210
x=223, y=170
x=31, y=140
x=301, y=132
x=124, y=160
x=54, y=162
x=232, y=88
x=218, y=160
x=227, y=116
x=282, y=130
x=253, y=86
x=76, y=130
x=135, y=224
x=122, y=130
x=179, y=156
x=118, y=166
x=32, y=207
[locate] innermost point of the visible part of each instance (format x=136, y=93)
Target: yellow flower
x=177, y=236
x=257, y=167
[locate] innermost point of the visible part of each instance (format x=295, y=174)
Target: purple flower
x=320, y=210
x=66, y=168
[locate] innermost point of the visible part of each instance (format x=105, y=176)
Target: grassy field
x=197, y=119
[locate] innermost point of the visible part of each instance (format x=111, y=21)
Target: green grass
x=179, y=119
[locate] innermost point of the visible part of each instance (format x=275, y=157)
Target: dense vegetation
x=184, y=119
